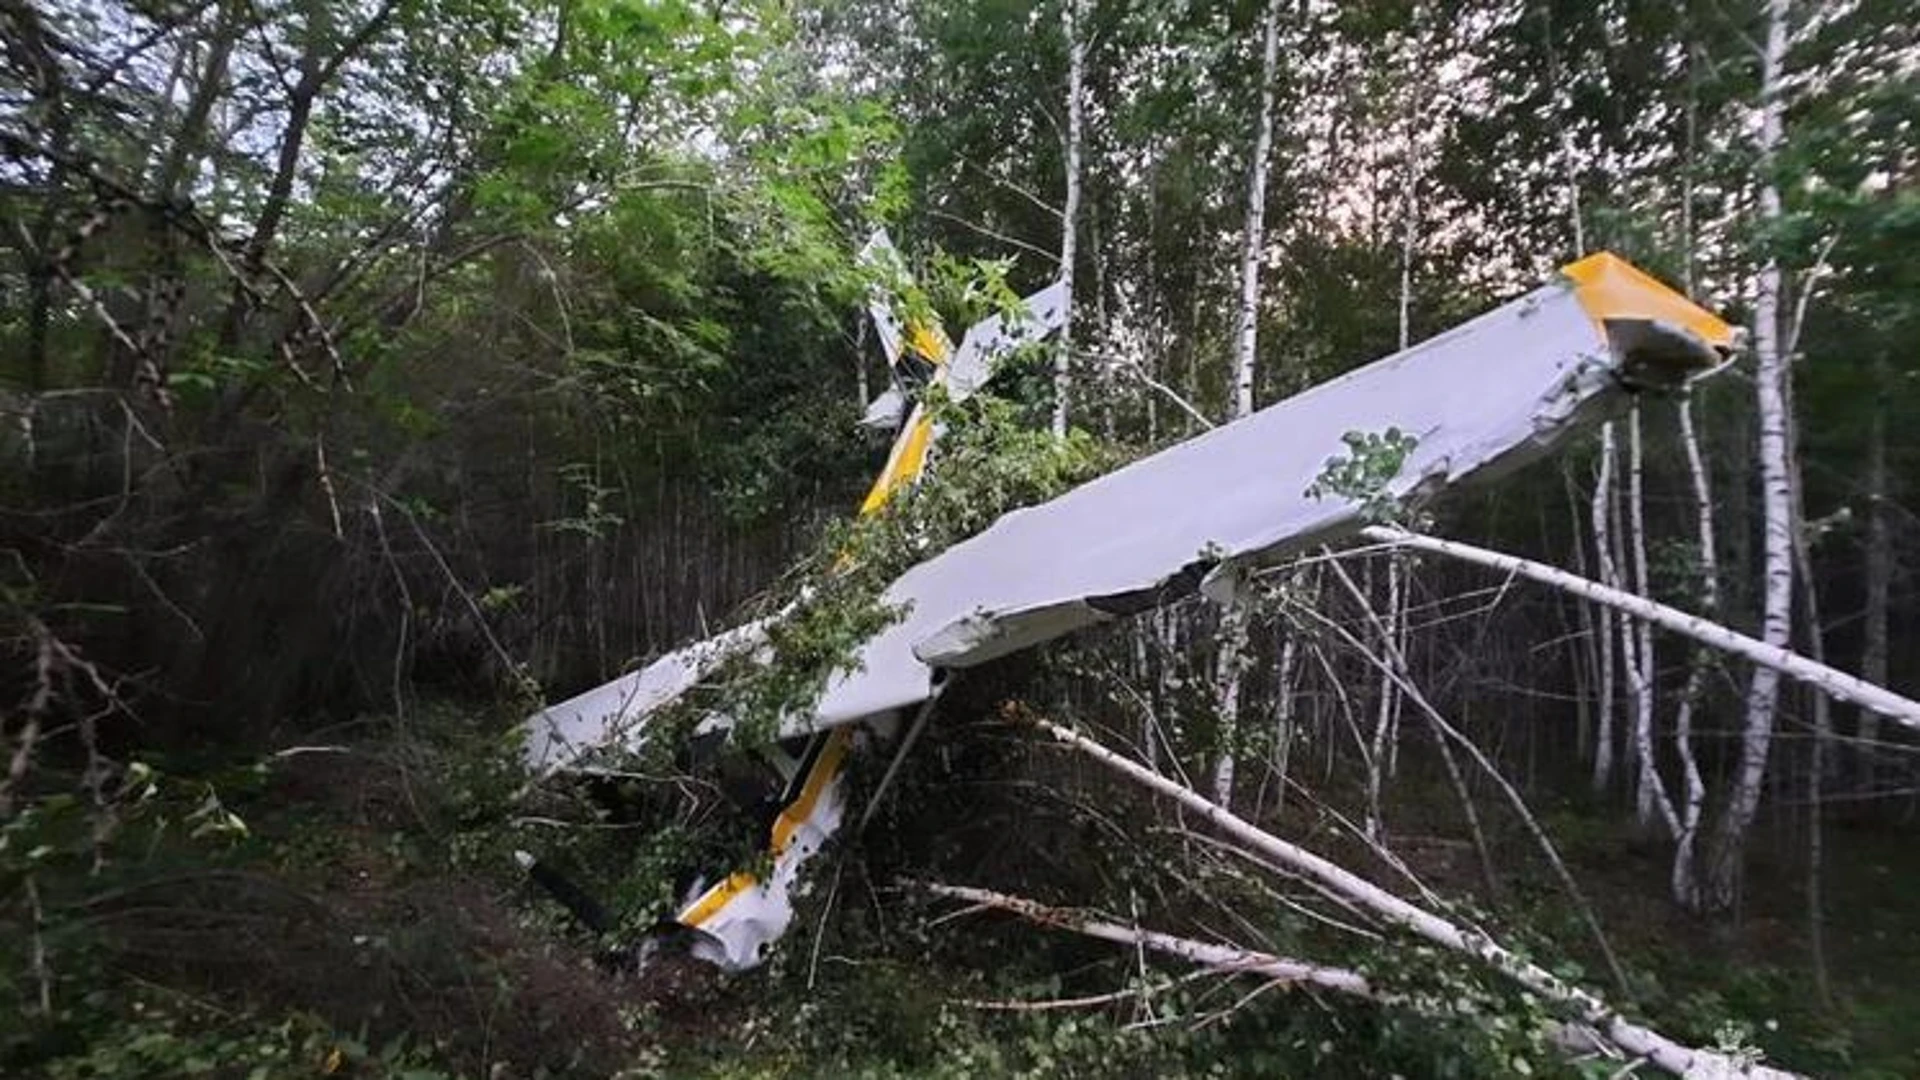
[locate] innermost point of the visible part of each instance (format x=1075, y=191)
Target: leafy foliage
x=1372, y=461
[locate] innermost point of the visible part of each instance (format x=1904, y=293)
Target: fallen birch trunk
x=1634, y=1039
x=1222, y=958
x=1828, y=680
x=1574, y=1039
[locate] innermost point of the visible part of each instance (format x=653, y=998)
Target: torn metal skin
x=1480, y=399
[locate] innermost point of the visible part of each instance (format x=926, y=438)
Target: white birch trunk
x=1233, y=618
x=1650, y=792
x=1685, y=878
x=1763, y=694
x=1229, y=670
x=1398, y=588
x=1283, y=717
x=1834, y=683
x=1222, y=958
x=1600, y=517
x=1576, y=1040
x=1070, y=213
x=1253, y=238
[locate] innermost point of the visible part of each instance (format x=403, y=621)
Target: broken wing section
x=611, y=714
x=1484, y=397
x=742, y=916
x=992, y=338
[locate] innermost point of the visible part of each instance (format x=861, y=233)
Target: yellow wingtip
x=1610, y=287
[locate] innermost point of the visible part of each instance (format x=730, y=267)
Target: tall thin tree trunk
x=1820, y=756
x=1070, y=213
x=1253, y=238
x=1650, y=792
x=1879, y=581
x=1229, y=670
x=1399, y=599
x=1685, y=879
x=1763, y=695
x=1586, y=661
x=1233, y=621
x=1398, y=587
x=1563, y=107
x=1599, y=521
x=1283, y=716
x=190, y=135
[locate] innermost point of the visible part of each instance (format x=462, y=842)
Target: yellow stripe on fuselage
x=825, y=768
x=905, y=463
x=908, y=459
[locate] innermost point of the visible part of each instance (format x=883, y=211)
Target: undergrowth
x=823, y=611
x=351, y=909
x=350, y=914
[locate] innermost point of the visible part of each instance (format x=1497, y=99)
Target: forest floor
x=358, y=927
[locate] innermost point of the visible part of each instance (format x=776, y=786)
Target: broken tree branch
x=1585, y=1007
x=1828, y=680
x=1395, y=667
x=1572, y=1038
x=1222, y=958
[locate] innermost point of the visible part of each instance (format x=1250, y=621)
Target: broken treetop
x=1491, y=393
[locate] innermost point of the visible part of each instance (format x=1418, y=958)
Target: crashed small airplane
x=1484, y=397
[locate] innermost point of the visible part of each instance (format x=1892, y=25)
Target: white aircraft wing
x=880, y=254
x=613, y=713
x=1484, y=397
x=990, y=339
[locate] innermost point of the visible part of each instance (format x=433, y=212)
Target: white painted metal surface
x=1484, y=397
x=1488, y=395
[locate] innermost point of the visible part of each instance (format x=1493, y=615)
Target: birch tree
x=1776, y=486
x=1246, y=340
x=1600, y=514
x=1684, y=878
x=1693, y=800
x=1650, y=793
x=1070, y=211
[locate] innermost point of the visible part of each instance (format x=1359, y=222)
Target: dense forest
x=376, y=372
